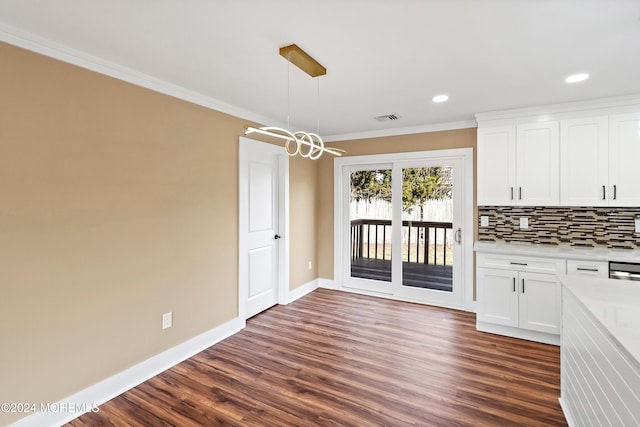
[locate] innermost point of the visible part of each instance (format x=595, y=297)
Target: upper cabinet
x=496, y=166
x=581, y=154
x=519, y=165
x=538, y=163
x=599, y=161
x=584, y=164
x=624, y=152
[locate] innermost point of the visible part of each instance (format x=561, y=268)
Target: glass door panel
x=427, y=228
x=370, y=211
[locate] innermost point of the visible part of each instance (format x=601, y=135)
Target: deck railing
x=426, y=241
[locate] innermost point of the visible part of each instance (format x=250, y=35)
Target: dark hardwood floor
x=339, y=359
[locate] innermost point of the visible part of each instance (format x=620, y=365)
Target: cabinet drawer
x=521, y=263
x=588, y=268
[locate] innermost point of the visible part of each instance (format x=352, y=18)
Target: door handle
x=277, y=236
x=458, y=236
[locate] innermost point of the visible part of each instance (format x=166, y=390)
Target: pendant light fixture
x=305, y=144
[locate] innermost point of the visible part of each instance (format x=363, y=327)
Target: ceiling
x=382, y=56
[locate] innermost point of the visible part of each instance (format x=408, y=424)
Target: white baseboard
x=81, y=402
x=303, y=290
x=524, y=334
x=327, y=283
x=567, y=414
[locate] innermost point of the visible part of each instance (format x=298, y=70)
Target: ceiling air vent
x=388, y=117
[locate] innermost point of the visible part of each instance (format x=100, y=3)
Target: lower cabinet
x=517, y=302
x=588, y=268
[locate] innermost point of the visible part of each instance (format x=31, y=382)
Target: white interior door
x=260, y=231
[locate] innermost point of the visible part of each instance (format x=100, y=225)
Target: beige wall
x=302, y=187
x=396, y=144
x=117, y=204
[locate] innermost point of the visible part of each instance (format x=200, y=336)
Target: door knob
x=277, y=236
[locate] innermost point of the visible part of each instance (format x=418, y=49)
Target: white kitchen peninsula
x=600, y=351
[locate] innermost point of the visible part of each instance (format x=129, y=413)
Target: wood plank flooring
x=339, y=359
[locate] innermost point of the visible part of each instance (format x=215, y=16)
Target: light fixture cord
x=288, y=96
x=318, y=107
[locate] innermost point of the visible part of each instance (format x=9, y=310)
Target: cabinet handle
x=604, y=192
x=511, y=193
x=519, y=193
x=458, y=236
x=523, y=286
x=593, y=270
x=615, y=192
x=514, y=284
x=518, y=263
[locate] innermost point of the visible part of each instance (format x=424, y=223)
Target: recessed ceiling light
x=440, y=98
x=577, y=78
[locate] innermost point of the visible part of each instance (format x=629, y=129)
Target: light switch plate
x=524, y=222
x=484, y=221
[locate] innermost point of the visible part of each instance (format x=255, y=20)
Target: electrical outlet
x=524, y=222
x=167, y=320
x=484, y=221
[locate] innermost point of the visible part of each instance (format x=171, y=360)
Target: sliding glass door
x=402, y=233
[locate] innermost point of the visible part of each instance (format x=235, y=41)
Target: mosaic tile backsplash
x=586, y=227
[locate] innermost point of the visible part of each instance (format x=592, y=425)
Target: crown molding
x=402, y=131
x=43, y=46
x=560, y=111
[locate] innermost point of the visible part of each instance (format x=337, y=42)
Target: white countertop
x=560, y=251
x=614, y=303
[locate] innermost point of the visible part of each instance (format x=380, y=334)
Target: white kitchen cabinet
x=598, y=161
x=519, y=165
x=539, y=302
x=497, y=296
x=538, y=164
x=496, y=166
x=519, y=296
x=624, y=152
x=588, y=268
x=584, y=161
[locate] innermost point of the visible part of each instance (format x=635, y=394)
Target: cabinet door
x=584, y=161
x=539, y=302
x=538, y=164
x=624, y=152
x=497, y=296
x=496, y=166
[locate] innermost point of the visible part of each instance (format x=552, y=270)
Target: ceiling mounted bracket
x=302, y=60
